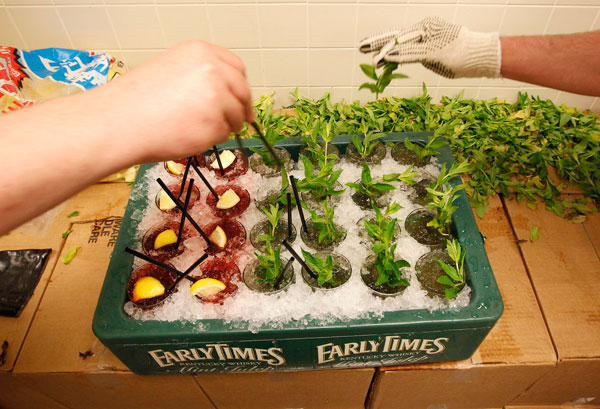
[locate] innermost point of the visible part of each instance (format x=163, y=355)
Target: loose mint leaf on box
x=73, y=214
x=70, y=255
x=66, y=234
x=534, y=234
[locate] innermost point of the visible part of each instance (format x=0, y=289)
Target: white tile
x=596, y=106
x=596, y=24
x=460, y=82
x=506, y=94
x=418, y=12
x=129, y=2
x=257, y=92
x=229, y=1
x=9, y=33
x=133, y=58
x=184, y=22
x=577, y=2
x=525, y=20
x=399, y=2
x=503, y=83
x=78, y=2
x=378, y=18
x=137, y=27
x=532, y=2
x=479, y=18
x=234, y=26
x=541, y=92
x=27, y=2
x=433, y=1
x=332, y=25
x=581, y=102
x=417, y=74
x=40, y=26
x=482, y=1
x=330, y=67
x=283, y=95
x=179, y=2
x=453, y=92
x=88, y=27
x=337, y=94
x=283, y=25
x=336, y=1
x=566, y=20
x=253, y=62
x=285, y=68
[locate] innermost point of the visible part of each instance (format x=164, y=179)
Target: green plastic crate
x=400, y=337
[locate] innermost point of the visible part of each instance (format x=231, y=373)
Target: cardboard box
x=40, y=233
x=61, y=358
x=340, y=389
x=564, y=268
x=400, y=337
x=46, y=231
x=517, y=352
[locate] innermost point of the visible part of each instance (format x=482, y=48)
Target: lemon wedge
x=147, y=287
x=227, y=157
x=165, y=238
x=175, y=168
x=218, y=237
x=165, y=202
x=206, y=287
x=228, y=199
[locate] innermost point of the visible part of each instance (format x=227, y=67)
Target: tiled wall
x=288, y=43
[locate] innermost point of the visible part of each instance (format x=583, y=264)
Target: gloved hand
x=449, y=50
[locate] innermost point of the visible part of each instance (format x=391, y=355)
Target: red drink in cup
x=235, y=169
x=165, y=277
x=223, y=270
x=174, y=188
x=168, y=251
x=236, y=210
x=235, y=234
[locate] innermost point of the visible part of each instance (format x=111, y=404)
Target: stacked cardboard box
x=516, y=353
x=564, y=266
x=42, y=233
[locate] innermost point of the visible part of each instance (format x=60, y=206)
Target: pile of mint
x=510, y=147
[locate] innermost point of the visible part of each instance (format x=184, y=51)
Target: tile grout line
x=526, y=266
x=21, y=36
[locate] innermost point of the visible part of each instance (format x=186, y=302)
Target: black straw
x=186, y=272
x=241, y=148
x=205, y=181
x=280, y=278
x=185, y=173
x=269, y=147
x=306, y=267
x=186, y=214
x=183, y=213
x=214, y=148
x=156, y=262
x=289, y=206
x=298, y=204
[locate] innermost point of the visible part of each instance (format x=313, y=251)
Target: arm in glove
x=449, y=50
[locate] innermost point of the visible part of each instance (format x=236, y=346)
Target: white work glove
x=449, y=50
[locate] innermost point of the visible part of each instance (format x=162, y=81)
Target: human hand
x=449, y=50
x=181, y=102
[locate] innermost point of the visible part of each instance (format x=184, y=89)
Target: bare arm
x=566, y=62
x=178, y=104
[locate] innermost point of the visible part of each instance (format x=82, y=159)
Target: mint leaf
x=534, y=234
x=70, y=255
